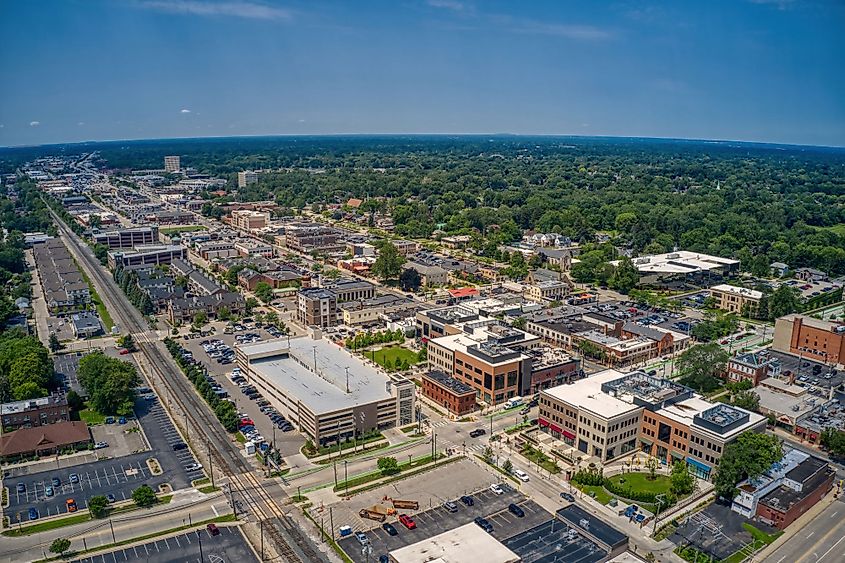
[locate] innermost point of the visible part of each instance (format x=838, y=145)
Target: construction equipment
x=406, y=504
x=377, y=512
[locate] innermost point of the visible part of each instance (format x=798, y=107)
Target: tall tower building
x=171, y=164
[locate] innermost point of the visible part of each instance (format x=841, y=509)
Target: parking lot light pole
x=210, y=466
x=346, y=476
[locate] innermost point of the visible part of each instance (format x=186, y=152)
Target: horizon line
x=383, y=135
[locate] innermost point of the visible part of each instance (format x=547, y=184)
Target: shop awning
x=555, y=428
x=646, y=441
x=568, y=434
x=543, y=422
x=698, y=464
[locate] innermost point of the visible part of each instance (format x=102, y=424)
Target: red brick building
x=455, y=396
x=823, y=341
x=802, y=487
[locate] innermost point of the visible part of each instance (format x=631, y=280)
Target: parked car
x=110, y=498
x=109, y=420
x=407, y=521
x=179, y=446
x=21, y=488
x=521, y=475
x=389, y=528
x=362, y=538
x=484, y=524
x=567, y=497
x=71, y=505
x=48, y=491
x=101, y=445
x=467, y=500
x=516, y=510
x=497, y=489
x=74, y=478
x=33, y=514
x=193, y=467
x=383, y=558
x=213, y=529
x=450, y=506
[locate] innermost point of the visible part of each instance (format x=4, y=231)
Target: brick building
x=823, y=341
x=456, y=397
x=34, y=412
x=752, y=367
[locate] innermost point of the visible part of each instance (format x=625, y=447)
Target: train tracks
x=289, y=541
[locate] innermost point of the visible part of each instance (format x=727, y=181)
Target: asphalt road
x=198, y=545
x=821, y=540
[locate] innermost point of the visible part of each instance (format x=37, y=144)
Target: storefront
x=699, y=469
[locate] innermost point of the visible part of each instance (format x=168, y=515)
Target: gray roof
x=641, y=330
x=323, y=390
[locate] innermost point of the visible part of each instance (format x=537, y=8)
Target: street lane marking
x=831, y=549
x=810, y=534
x=214, y=508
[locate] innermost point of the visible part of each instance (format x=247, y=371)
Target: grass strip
x=401, y=476
x=328, y=537
x=497, y=468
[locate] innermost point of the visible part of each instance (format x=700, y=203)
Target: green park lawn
x=641, y=482
x=91, y=417
x=390, y=354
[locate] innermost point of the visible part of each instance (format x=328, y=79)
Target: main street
x=822, y=539
x=177, y=393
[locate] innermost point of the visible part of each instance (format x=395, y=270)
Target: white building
x=246, y=178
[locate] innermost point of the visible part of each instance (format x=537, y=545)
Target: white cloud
x=234, y=8
x=185, y=111
x=300, y=121
x=453, y=5
x=81, y=123
x=34, y=123
x=579, y=32
x=779, y=4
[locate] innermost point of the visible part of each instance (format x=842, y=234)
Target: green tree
x=652, y=464
x=748, y=457
x=783, y=301
x=74, y=401
x=625, y=276
x=746, y=399
x=224, y=314
x=701, y=366
x=28, y=390
x=519, y=323
x=682, y=480
x=507, y=466
x=60, y=546
x=126, y=341
x=834, y=440
x=251, y=303
x=144, y=496
x=422, y=355
x=410, y=280
x=200, y=319
x=388, y=465
x=110, y=383
x=54, y=343
x=389, y=262
x=487, y=454
x=264, y=291
x=98, y=506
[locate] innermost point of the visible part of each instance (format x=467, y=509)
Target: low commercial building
x=44, y=440
x=788, y=489
x=351, y=289
x=328, y=393
x=430, y=275
x=545, y=291
x=312, y=237
x=811, y=338
x=86, y=324
x=371, y=311
x=735, y=299
x=316, y=306
x=148, y=255
x=682, y=265
x=454, y=546
x=252, y=248
x=171, y=218
x=611, y=414
x=217, y=249
x=455, y=396
x=34, y=412
x=127, y=238
x=752, y=367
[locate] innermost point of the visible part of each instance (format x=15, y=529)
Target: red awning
x=463, y=292
x=543, y=422
x=556, y=428
x=569, y=435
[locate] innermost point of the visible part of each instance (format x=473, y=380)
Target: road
x=164, y=376
x=822, y=539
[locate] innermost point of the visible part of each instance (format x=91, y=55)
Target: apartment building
x=182, y=310
x=172, y=164
x=213, y=249
x=250, y=220
x=127, y=238
x=430, y=274
x=611, y=414
x=246, y=178
x=312, y=237
x=736, y=299
x=65, y=291
x=34, y=412
x=316, y=306
x=802, y=335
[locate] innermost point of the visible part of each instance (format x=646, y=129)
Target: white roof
x=465, y=544
x=586, y=394
x=679, y=262
x=323, y=390
x=735, y=290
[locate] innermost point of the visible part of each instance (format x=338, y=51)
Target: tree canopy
x=389, y=262
x=748, y=457
x=110, y=383
x=701, y=365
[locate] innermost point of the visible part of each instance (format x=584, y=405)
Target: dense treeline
x=758, y=203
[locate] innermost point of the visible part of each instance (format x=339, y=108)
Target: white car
x=521, y=475
x=496, y=488
x=193, y=467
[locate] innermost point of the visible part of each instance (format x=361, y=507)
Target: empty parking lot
x=195, y=546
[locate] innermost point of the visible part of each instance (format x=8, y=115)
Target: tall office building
x=246, y=178
x=171, y=164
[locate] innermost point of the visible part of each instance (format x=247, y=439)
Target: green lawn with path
x=640, y=482
x=391, y=354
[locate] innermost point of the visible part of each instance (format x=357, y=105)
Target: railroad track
x=283, y=533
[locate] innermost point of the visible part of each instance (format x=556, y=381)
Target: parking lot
x=288, y=443
x=437, y=520
x=228, y=545
x=118, y=476
x=66, y=366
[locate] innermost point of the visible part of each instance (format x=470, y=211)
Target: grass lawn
x=547, y=463
x=48, y=525
x=391, y=354
x=640, y=482
x=377, y=474
x=599, y=493
x=761, y=540
x=91, y=417
x=839, y=229
x=183, y=229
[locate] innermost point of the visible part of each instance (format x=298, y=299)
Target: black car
x=467, y=500
x=484, y=524
x=179, y=446
x=477, y=432
x=516, y=510
x=389, y=528
x=567, y=497
x=383, y=559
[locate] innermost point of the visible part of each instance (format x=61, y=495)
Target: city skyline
x=197, y=68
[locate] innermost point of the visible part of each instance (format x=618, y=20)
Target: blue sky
x=759, y=70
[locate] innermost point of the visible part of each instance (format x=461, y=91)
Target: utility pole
x=112, y=531
x=331, y=521
x=199, y=539
x=346, y=475
x=659, y=498
x=334, y=464
x=261, y=532
x=210, y=467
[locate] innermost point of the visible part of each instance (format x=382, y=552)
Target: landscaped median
x=368, y=442
x=382, y=476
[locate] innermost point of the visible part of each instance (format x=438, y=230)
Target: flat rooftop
x=736, y=290
x=554, y=541
x=680, y=262
x=314, y=372
x=459, y=545
x=587, y=394
x=449, y=382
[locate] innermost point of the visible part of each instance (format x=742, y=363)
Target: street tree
x=748, y=457
x=783, y=301
x=388, y=465
x=389, y=263
x=60, y=546
x=54, y=343
x=98, y=506
x=410, y=280
x=264, y=291
x=144, y=496
x=682, y=480
x=701, y=366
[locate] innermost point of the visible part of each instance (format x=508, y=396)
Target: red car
x=213, y=529
x=124, y=351
x=247, y=422
x=407, y=521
